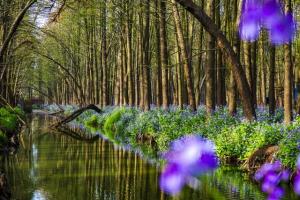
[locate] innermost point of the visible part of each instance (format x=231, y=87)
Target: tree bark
x=288, y=77
x=184, y=56
x=223, y=43
x=272, y=66
x=163, y=53
x=210, y=97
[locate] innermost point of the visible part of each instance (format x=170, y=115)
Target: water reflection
x=54, y=166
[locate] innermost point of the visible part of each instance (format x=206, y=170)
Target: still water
x=52, y=166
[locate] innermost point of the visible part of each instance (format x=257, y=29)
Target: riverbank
x=237, y=141
x=104, y=170
x=11, y=121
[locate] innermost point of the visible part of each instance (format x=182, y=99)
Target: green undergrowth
x=9, y=122
x=234, y=137
x=9, y=118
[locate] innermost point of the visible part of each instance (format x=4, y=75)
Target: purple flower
x=297, y=184
x=271, y=176
x=193, y=154
x=283, y=30
x=267, y=168
x=285, y=175
x=172, y=179
x=257, y=14
x=297, y=177
x=250, y=24
x=189, y=156
x=276, y=194
x=271, y=13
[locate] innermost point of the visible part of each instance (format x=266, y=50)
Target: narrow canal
x=51, y=166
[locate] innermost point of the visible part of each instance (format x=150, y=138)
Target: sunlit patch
x=40, y=195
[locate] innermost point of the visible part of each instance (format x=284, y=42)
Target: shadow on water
x=60, y=167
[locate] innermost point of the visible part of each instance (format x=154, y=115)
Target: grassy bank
x=9, y=125
x=236, y=139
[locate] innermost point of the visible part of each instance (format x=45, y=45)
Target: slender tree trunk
x=210, y=66
x=232, y=95
x=288, y=77
x=129, y=58
x=146, y=59
x=163, y=53
x=272, y=66
x=185, y=58
x=158, y=88
x=254, y=72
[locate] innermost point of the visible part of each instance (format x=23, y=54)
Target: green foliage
x=233, y=141
x=18, y=111
x=289, y=145
x=92, y=122
x=9, y=118
x=109, y=125
x=240, y=141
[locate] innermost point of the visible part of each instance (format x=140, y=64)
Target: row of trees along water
x=143, y=52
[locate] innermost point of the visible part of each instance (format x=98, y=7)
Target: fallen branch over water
x=75, y=114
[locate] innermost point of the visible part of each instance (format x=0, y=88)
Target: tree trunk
x=163, y=53
x=210, y=66
x=288, y=77
x=272, y=66
x=184, y=56
x=223, y=43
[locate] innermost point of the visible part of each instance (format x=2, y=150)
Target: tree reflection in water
x=55, y=166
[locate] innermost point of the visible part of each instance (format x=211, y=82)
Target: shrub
x=92, y=122
x=233, y=141
x=289, y=147
x=8, y=119
x=265, y=135
x=109, y=124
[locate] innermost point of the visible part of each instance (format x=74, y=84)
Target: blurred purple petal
x=283, y=30
x=276, y=194
x=297, y=184
x=267, y=187
x=285, y=175
x=272, y=178
x=249, y=28
x=192, y=153
x=172, y=179
x=250, y=25
x=267, y=168
x=271, y=13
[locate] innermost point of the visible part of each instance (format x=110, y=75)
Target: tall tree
x=184, y=56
